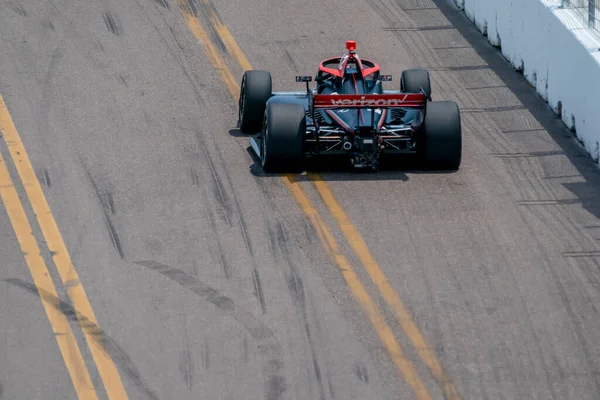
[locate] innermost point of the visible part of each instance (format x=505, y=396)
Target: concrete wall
x=556, y=52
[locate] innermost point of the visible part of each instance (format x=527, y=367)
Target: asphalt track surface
x=145, y=255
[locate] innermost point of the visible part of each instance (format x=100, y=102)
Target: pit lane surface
x=209, y=279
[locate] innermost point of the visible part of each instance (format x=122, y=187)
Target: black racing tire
x=283, y=137
x=255, y=90
x=413, y=80
x=442, y=139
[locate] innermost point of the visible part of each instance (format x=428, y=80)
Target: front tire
x=255, y=90
x=283, y=137
x=442, y=145
x=413, y=80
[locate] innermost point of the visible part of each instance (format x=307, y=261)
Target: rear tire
x=442, y=144
x=283, y=137
x=255, y=90
x=413, y=80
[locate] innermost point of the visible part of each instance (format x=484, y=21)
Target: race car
x=349, y=114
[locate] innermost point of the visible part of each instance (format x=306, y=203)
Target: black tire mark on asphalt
x=191, y=81
x=99, y=45
x=20, y=10
x=107, y=205
x=111, y=23
x=362, y=373
x=100, y=338
x=188, y=7
x=47, y=178
x=223, y=199
x=186, y=361
x=290, y=60
x=296, y=287
x=163, y=4
x=581, y=254
x=280, y=245
x=44, y=178
x=268, y=347
x=419, y=29
x=235, y=209
x=200, y=100
x=210, y=13
x=225, y=267
x=194, y=176
x=529, y=154
x=258, y=289
x=231, y=204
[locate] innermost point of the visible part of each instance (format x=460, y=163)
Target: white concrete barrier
x=556, y=51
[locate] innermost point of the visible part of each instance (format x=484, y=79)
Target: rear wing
x=369, y=100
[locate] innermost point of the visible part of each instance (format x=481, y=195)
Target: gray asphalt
x=161, y=206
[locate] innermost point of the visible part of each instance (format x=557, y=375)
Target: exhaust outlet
x=347, y=146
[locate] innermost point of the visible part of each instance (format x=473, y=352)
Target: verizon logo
x=363, y=101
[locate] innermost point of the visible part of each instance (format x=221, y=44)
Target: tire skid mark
x=220, y=212
x=220, y=194
x=101, y=339
x=290, y=60
x=163, y=4
x=186, y=361
x=210, y=14
x=99, y=45
x=581, y=254
x=44, y=177
x=362, y=373
x=280, y=244
x=20, y=10
x=189, y=7
x=111, y=23
x=180, y=62
x=296, y=287
x=232, y=204
x=107, y=204
x=258, y=292
x=268, y=347
x=225, y=267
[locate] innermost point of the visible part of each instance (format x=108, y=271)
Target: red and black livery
x=349, y=113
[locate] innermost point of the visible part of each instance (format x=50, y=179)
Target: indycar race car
x=349, y=114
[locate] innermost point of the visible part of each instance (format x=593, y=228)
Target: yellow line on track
x=62, y=260
x=41, y=278
x=353, y=281
x=369, y=306
x=211, y=52
x=230, y=44
x=378, y=277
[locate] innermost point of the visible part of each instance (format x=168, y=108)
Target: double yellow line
x=350, y=232
x=41, y=276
